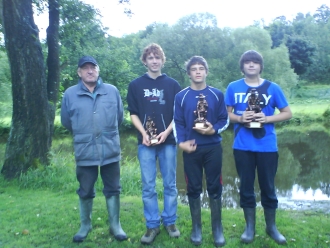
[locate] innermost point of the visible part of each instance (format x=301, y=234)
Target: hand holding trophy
x=151, y=131
x=254, y=105
x=201, y=112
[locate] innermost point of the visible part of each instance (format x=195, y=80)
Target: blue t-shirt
x=184, y=106
x=255, y=139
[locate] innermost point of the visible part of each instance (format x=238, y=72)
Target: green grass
x=309, y=107
x=46, y=218
x=40, y=209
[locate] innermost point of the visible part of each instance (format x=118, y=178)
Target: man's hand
x=188, y=146
x=205, y=131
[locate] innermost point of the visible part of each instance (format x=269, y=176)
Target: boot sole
x=196, y=243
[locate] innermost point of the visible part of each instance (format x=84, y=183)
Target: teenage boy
x=255, y=149
x=150, y=98
x=203, y=105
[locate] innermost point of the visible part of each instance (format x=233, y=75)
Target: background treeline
x=296, y=52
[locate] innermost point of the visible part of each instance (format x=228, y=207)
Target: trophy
x=151, y=131
x=200, y=112
x=254, y=105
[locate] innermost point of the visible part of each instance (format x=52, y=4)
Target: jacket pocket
x=83, y=147
x=108, y=113
x=111, y=145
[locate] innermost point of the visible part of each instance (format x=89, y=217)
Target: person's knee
x=85, y=194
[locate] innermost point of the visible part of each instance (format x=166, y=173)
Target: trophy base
x=253, y=125
x=153, y=141
x=200, y=125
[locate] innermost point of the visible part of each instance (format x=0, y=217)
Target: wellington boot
x=86, y=206
x=250, y=219
x=113, y=206
x=195, y=211
x=217, y=230
x=271, y=230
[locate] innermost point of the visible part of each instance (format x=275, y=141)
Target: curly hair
x=155, y=49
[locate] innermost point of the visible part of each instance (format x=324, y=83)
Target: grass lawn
x=45, y=218
x=309, y=107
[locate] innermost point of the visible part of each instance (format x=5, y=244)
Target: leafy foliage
x=301, y=53
x=306, y=38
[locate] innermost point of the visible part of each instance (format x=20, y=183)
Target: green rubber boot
x=86, y=206
x=113, y=205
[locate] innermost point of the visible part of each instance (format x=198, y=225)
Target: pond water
x=303, y=176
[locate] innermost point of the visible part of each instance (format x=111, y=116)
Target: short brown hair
x=196, y=60
x=253, y=56
x=155, y=49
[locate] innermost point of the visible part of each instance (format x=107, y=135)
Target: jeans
x=166, y=155
x=266, y=165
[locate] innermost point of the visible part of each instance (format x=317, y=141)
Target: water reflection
x=303, y=172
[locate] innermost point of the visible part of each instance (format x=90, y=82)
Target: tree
x=301, y=52
x=278, y=30
x=35, y=86
x=195, y=34
x=81, y=33
x=30, y=135
x=322, y=14
x=53, y=62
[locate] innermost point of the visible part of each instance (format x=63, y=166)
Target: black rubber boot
x=271, y=230
x=250, y=227
x=113, y=205
x=217, y=230
x=195, y=211
x=86, y=206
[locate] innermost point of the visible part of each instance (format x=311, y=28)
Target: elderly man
x=92, y=111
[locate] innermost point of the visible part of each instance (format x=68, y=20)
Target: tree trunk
x=28, y=143
x=53, y=61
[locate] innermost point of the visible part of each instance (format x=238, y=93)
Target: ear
x=78, y=72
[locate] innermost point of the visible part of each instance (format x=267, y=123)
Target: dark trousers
x=87, y=176
x=266, y=165
x=209, y=159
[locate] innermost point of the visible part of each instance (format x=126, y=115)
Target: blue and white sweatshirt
x=184, y=106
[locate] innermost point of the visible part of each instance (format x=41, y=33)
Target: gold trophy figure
x=201, y=112
x=151, y=131
x=254, y=105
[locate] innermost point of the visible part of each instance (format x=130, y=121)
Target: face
x=197, y=74
x=89, y=73
x=251, y=68
x=154, y=63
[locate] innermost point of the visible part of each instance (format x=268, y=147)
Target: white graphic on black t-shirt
x=154, y=95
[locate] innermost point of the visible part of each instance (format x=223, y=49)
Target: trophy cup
x=151, y=131
x=200, y=112
x=254, y=105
